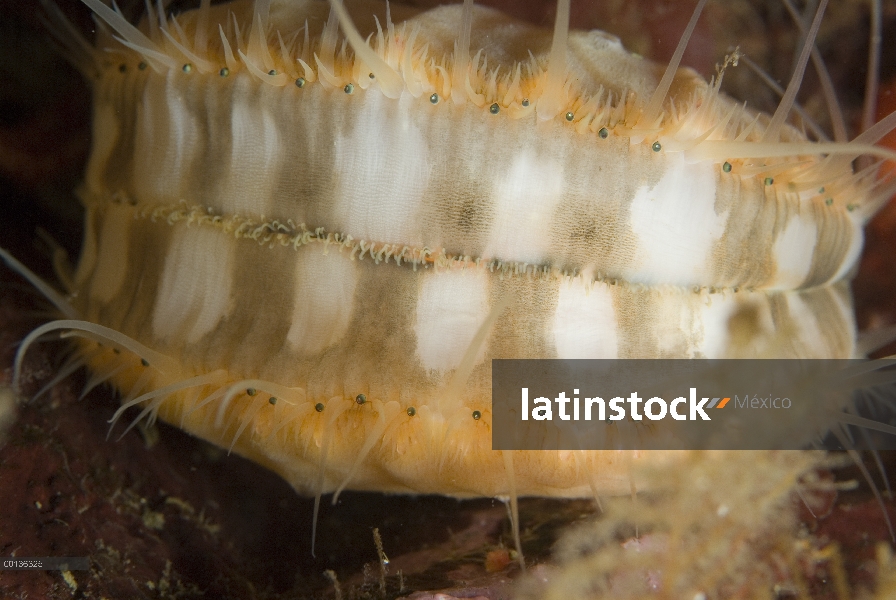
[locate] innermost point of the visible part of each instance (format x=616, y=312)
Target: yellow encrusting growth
x=716, y=526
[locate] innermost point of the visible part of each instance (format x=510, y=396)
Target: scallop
x=309, y=231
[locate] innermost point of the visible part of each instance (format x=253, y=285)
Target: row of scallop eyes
x=360, y=400
x=494, y=109
x=433, y=98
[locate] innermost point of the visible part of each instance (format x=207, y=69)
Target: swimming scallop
x=308, y=245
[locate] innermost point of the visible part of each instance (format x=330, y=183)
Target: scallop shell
x=309, y=249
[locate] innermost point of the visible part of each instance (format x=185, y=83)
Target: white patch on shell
x=451, y=306
x=524, y=202
x=383, y=171
x=165, y=142
x=715, y=317
x=793, y=251
x=676, y=224
x=196, y=284
x=323, y=299
x=255, y=160
x=585, y=322
x=851, y=257
x=112, y=263
x=806, y=326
